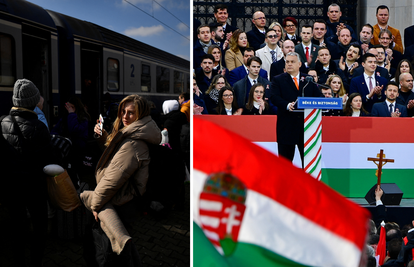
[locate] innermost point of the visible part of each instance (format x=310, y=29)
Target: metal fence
x=304, y=11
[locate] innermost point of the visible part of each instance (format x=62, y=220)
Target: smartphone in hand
x=101, y=121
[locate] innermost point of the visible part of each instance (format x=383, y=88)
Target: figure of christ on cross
x=380, y=161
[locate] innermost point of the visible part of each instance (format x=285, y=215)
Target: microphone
x=308, y=79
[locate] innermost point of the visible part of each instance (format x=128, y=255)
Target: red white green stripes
x=289, y=216
x=313, y=142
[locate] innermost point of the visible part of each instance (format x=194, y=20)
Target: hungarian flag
x=252, y=208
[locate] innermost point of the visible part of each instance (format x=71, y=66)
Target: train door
x=91, y=87
x=39, y=54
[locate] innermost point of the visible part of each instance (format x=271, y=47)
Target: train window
x=187, y=78
x=113, y=75
x=7, y=62
x=163, y=80
x=178, y=82
x=146, y=78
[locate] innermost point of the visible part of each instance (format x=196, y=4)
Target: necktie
x=273, y=55
x=370, y=83
x=307, y=53
x=391, y=105
x=254, y=82
x=296, y=82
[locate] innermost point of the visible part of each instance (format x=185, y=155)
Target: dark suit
x=240, y=72
x=296, y=40
x=403, y=99
x=255, y=38
x=289, y=128
x=313, y=52
x=242, y=89
x=409, y=53
x=409, y=36
x=358, y=85
x=278, y=67
x=229, y=29
x=383, y=72
x=333, y=50
x=323, y=74
x=382, y=110
x=198, y=52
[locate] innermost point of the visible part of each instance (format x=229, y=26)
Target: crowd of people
x=329, y=51
x=126, y=178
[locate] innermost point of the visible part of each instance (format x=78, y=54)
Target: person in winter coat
x=126, y=157
x=26, y=151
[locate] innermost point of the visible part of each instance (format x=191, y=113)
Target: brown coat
x=233, y=60
x=127, y=156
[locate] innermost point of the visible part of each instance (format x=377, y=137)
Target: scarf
x=214, y=94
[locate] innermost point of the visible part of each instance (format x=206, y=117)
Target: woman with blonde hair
x=234, y=55
x=338, y=90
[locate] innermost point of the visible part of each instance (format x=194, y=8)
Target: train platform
x=160, y=241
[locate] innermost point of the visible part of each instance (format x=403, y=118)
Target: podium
x=313, y=108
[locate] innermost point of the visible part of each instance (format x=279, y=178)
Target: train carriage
x=64, y=56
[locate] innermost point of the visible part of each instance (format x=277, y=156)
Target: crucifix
x=380, y=161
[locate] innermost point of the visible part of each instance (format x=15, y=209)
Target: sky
x=120, y=16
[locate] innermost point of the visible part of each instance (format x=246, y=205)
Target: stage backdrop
x=346, y=144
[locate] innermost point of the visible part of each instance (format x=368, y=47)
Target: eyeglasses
x=228, y=96
x=385, y=38
x=260, y=18
x=381, y=53
x=220, y=83
x=272, y=36
x=258, y=92
x=290, y=26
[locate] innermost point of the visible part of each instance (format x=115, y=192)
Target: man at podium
x=285, y=90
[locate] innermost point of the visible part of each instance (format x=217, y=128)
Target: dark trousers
x=288, y=151
x=34, y=200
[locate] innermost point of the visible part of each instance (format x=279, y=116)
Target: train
x=64, y=56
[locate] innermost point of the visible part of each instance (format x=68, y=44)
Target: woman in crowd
x=217, y=64
x=279, y=32
x=256, y=105
x=404, y=66
x=211, y=98
x=226, y=104
x=338, y=89
x=234, y=55
x=353, y=106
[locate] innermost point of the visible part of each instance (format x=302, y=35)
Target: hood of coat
x=144, y=129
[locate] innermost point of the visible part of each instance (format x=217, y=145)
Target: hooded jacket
x=125, y=161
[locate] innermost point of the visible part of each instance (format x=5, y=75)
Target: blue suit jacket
x=240, y=72
x=242, y=88
x=382, y=110
x=358, y=85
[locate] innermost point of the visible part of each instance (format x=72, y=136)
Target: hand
x=377, y=90
x=365, y=47
x=354, y=66
x=396, y=114
x=342, y=63
x=228, y=36
x=410, y=104
x=389, y=53
x=97, y=128
x=69, y=107
x=345, y=98
x=95, y=214
x=197, y=109
x=222, y=72
x=378, y=193
x=339, y=28
x=261, y=105
x=291, y=106
x=225, y=44
x=309, y=61
x=238, y=112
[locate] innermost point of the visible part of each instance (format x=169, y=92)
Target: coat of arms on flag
x=221, y=210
